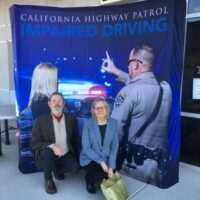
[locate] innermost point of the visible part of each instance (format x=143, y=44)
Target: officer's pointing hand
x=109, y=66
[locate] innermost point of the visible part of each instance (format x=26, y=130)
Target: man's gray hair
x=145, y=54
x=56, y=93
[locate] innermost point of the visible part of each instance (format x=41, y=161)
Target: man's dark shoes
x=50, y=187
x=58, y=174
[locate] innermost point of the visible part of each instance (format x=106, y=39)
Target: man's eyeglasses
x=134, y=60
x=99, y=108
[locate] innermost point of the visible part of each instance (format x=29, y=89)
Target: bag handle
x=151, y=117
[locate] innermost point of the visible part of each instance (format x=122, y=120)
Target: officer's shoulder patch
x=120, y=99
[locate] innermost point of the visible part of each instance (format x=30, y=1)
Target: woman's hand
x=110, y=173
x=104, y=167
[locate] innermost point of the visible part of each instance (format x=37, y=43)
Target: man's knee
x=47, y=153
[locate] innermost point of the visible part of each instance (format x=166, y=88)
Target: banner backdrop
x=76, y=41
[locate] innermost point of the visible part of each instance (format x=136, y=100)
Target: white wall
x=6, y=59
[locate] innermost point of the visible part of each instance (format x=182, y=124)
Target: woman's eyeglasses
x=99, y=108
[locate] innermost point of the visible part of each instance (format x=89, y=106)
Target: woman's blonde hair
x=100, y=99
x=44, y=81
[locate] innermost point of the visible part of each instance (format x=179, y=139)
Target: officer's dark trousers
x=49, y=161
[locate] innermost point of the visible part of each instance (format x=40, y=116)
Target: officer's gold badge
x=120, y=99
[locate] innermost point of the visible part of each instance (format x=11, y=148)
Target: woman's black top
x=102, y=129
x=40, y=106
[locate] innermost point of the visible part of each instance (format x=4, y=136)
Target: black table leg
x=7, y=142
x=0, y=141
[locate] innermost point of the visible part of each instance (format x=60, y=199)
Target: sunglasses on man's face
x=134, y=60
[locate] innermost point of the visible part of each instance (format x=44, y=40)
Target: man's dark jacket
x=43, y=134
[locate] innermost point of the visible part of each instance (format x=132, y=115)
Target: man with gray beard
x=52, y=139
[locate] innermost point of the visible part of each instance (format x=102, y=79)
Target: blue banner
x=76, y=40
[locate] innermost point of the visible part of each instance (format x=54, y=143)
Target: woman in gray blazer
x=99, y=145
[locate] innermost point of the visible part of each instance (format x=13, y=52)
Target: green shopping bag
x=114, y=188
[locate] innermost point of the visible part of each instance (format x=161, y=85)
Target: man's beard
x=57, y=110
